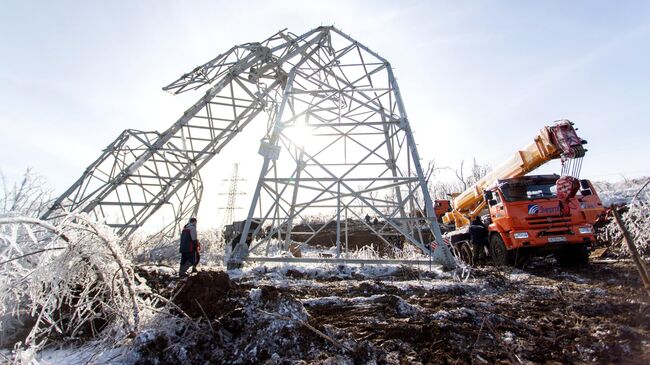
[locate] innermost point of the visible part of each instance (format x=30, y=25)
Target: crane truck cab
x=590, y=204
x=527, y=217
x=440, y=207
x=530, y=214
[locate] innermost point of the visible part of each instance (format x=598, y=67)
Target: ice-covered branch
x=69, y=278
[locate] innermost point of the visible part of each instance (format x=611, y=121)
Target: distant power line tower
x=229, y=215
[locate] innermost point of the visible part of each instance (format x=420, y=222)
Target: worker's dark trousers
x=187, y=260
x=479, y=252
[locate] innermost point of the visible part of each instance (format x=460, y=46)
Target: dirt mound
x=234, y=324
x=206, y=294
x=160, y=282
x=543, y=314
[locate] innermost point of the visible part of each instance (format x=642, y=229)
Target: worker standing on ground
x=189, y=247
x=478, y=234
x=197, y=256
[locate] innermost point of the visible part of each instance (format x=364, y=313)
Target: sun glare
x=300, y=134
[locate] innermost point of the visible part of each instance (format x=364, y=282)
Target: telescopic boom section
x=552, y=142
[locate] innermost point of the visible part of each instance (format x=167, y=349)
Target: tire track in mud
x=539, y=315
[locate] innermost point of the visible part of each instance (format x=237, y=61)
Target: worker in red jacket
x=189, y=247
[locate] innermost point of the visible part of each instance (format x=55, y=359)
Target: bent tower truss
x=337, y=145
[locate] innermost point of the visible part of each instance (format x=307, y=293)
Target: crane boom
x=557, y=141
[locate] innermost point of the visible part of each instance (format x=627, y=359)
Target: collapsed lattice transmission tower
x=337, y=143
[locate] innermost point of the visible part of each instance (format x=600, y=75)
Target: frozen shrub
x=68, y=281
x=635, y=196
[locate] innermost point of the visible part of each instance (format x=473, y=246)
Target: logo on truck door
x=536, y=209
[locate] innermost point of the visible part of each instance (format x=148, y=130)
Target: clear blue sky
x=478, y=78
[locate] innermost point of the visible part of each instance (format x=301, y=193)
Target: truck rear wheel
x=500, y=255
x=466, y=253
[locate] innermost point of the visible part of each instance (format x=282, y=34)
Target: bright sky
x=479, y=79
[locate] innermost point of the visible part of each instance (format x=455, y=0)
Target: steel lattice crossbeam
x=142, y=171
x=337, y=143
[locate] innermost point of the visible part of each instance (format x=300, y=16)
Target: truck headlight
x=521, y=235
x=584, y=230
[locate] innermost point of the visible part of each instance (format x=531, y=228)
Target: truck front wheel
x=498, y=250
x=575, y=255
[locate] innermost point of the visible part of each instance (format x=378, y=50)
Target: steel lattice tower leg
x=340, y=145
x=351, y=149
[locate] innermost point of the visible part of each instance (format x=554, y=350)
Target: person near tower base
x=189, y=247
x=479, y=238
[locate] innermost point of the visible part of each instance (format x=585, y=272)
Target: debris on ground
x=542, y=314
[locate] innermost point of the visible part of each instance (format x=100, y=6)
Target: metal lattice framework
x=141, y=172
x=135, y=176
x=337, y=144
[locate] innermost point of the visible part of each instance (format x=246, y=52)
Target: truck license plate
x=557, y=239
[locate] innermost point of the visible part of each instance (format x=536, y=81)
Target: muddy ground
x=542, y=314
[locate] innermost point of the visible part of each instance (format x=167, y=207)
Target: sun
x=300, y=134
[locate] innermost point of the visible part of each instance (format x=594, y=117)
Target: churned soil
x=542, y=314
x=206, y=294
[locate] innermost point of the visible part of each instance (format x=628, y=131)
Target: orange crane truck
x=526, y=215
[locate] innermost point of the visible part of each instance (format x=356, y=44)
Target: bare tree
x=477, y=172
x=29, y=197
x=460, y=176
x=443, y=189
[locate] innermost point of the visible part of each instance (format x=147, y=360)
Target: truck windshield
x=517, y=191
